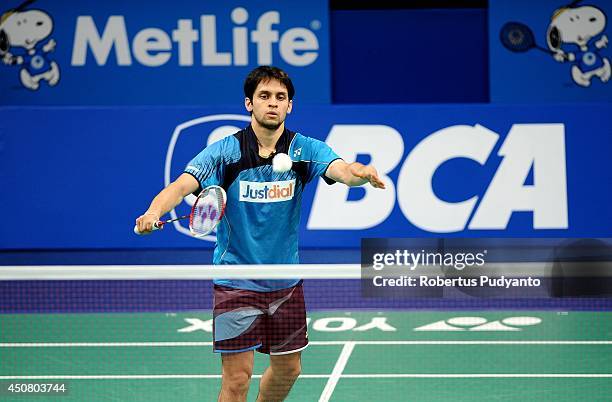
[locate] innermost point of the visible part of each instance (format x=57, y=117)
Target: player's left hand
x=368, y=173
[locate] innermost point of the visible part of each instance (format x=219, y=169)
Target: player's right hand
x=145, y=222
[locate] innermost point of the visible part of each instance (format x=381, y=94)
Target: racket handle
x=156, y=226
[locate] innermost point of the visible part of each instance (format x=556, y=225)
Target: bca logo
x=188, y=139
x=480, y=324
x=537, y=149
x=25, y=43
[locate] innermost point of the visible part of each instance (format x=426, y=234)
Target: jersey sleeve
x=318, y=155
x=207, y=167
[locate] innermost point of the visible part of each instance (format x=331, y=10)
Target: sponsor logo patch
x=269, y=191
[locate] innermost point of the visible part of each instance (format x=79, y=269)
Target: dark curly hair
x=265, y=73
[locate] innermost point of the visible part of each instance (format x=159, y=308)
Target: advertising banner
x=79, y=177
x=157, y=53
x=550, y=51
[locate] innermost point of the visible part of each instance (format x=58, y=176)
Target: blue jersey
x=262, y=216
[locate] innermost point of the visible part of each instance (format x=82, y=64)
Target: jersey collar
x=282, y=144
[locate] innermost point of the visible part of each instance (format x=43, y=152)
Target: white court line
x=337, y=372
x=566, y=342
x=479, y=375
x=132, y=376
x=333, y=378
x=100, y=344
x=319, y=343
x=347, y=376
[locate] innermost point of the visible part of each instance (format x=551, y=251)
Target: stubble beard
x=269, y=125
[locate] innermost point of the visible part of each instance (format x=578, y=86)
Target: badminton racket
x=206, y=213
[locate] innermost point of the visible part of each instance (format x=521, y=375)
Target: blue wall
x=415, y=56
x=461, y=170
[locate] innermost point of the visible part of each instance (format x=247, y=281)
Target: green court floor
x=353, y=356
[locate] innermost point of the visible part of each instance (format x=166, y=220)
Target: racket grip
x=156, y=226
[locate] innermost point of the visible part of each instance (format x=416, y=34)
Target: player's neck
x=265, y=137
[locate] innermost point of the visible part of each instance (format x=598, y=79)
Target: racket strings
x=207, y=211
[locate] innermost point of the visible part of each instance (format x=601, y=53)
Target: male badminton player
x=260, y=226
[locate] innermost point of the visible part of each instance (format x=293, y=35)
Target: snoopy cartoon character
x=582, y=27
x=25, y=32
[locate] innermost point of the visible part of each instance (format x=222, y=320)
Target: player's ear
x=290, y=106
x=248, y=105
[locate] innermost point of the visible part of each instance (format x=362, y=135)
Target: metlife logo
x=154, y=47
x=189, y=53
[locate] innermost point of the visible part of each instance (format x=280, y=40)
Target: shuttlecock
x=281, y=163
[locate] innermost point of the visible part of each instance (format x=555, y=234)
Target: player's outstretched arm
x=167, y=199
x=354, y=174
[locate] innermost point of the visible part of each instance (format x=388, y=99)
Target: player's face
x=270, y=104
